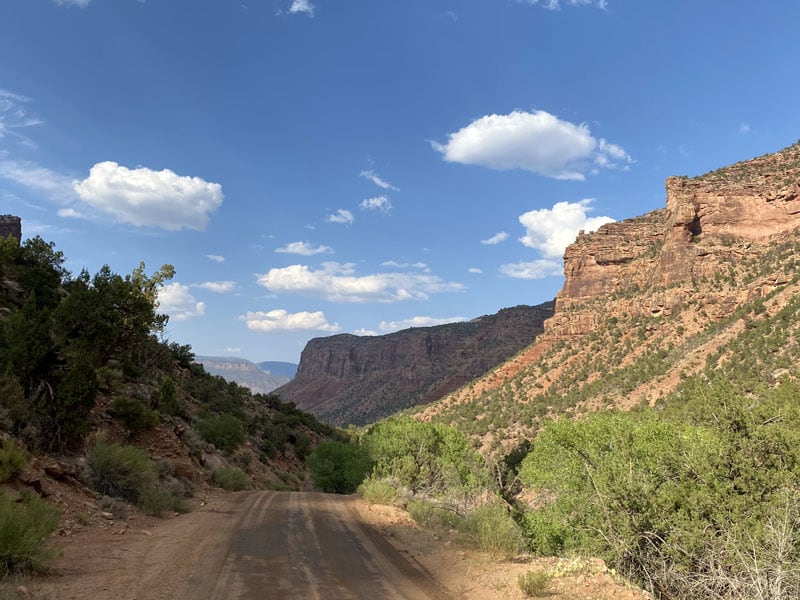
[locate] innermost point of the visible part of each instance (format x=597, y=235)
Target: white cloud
x=218, y=287
x=14, y=117
x=341, y=216
x=232, y=350
x=282, y=320
x=556, y=4
x=302, y=6
x=495, y=239
x=70, y=213
x=36, y=177
x=147, y=198
x=538, y=142
x=338, y=283
x=216, y=258
x=744, y=128
x=377, y=180
x=536, y=269
x=79, y=3
x=389, y=326
x=381, y=203
x=365, y=332
x=475, y=271
x=396, y=265
x=175, y=300
x=303, y=249
x=551, y=230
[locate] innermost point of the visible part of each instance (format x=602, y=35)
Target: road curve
x=305, y=546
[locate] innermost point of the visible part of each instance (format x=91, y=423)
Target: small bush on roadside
x=225, y=431
x=534, y=584
x=338, y=467
x=121, y=471
x=25, y=527
x=431, y=516
x=232, y=480
x=12, y=460
x=378, y=491
x=493, y=529
x=157, y=500
x=117, y=508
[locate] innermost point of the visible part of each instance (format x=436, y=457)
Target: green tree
x=338, y=467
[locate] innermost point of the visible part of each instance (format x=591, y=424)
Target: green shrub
x=430, y=516
x=338, y=467
x=534, y=584
x=493, y=529
x=225, y=431
x=12, y=460
x=232, y=480
x=378, y=491
x=25, y=527
x=157, y=500
x=168, y=402
x=121, y=471
x=135, y=415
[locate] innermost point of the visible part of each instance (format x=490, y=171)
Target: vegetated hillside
x=652, y=301
x=347, y=379
x=243, y=372
x=92, y=397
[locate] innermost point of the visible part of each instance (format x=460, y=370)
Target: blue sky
x=312, y=167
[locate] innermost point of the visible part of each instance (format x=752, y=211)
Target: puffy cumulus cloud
x=282, y=320
x=365, y=332
x=389, y=326
x=70, y=213
x=381, y=203
x=538, y=142
x=377, y=180
x=302, y=6
x=475, y=271
x=535, y=269
x=217, y=258
x=303, y=249
x=338, y=283
x=78, y=3
x=495, y=239
x=218, y=287
x=551, y=230
x=175, y=300
x=556, y=4
x=147, y=198
x=341, y=216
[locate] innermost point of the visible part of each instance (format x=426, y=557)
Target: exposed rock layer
x=347, y=379
x=10, y=226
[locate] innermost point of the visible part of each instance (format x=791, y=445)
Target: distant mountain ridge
x=347, y=379
x=247, y=373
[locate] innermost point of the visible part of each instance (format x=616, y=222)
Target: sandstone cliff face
x=649, y=301
x=708, y=221
x=10, y=226
x=345, y=379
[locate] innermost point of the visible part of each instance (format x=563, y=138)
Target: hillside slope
x=345, y=379
x=652, y=301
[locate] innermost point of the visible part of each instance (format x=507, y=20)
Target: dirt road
x=258, y=545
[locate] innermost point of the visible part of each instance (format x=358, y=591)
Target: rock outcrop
x=11, y=226
x=708, y=220
x=347, y=379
